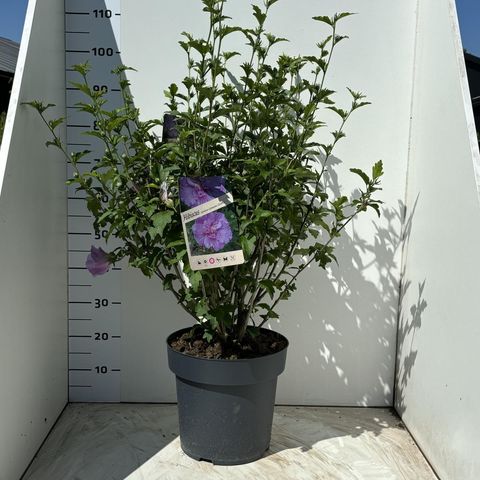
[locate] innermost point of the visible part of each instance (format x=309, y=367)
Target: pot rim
x=225, y=360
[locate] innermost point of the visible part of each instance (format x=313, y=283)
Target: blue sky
x=469, y=18
x=12, y=13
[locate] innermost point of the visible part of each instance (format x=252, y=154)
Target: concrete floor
x=140, y=442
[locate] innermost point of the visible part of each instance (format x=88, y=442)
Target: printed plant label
x=209, y=223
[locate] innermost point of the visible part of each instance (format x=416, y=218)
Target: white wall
x=342, y=326
x=439, y=353
x=33, y=274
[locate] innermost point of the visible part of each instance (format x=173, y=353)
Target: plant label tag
x=209, y=223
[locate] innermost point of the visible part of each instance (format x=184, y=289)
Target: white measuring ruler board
x=92, y=33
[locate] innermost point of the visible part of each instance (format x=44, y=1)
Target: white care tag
x=209, y=223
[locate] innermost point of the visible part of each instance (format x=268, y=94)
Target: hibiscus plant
x=253, y=122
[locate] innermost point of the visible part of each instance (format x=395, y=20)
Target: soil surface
x=265, y=343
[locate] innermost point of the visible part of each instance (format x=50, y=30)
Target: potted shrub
x=246, y=142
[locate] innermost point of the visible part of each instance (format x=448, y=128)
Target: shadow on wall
x=409, y=322
x=351, y=312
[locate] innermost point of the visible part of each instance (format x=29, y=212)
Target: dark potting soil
x=265, y=343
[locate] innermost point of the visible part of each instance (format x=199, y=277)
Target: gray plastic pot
x=225, y=407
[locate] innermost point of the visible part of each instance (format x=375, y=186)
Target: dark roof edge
x=472, y=58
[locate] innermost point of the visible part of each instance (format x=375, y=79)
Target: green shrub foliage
x=259, y=130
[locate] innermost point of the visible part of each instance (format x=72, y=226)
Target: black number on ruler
x=102, y=13
x=101, y=336
x=101, y=51
x=100, y=88
x=95, y=125
x=104, y=199
x=101, y=369
x=101, y=234
x=101, y=302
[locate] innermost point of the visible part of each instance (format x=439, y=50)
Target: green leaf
x=338, y=206
x=201, y=309
x=339, y=38
x=339, y=16
x=168, y=282
x=271, y=2
x=362, y=174
x=207, y=335
x=261, y=213
x=83, y=88
x=269, y=286
x=130, y=222
x=195, y=278
x=39, y=106
x=259, y=15
x=324, y=19
x=81, y=68
x=341, y=113
x=93, y=205
x=272, y=39
x=178, y=256
x=160, y=221
x=248, y=245
x=377, y=170
x=375, y=207
x=356, y=95
x=54, y=143
x=55, y=123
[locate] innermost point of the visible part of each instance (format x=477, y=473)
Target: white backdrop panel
x=341, y=325
x=33, y=267
x=438, y=357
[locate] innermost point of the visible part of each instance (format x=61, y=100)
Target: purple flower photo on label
x=195, y=191
x=212, y=231
x=210, y=222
